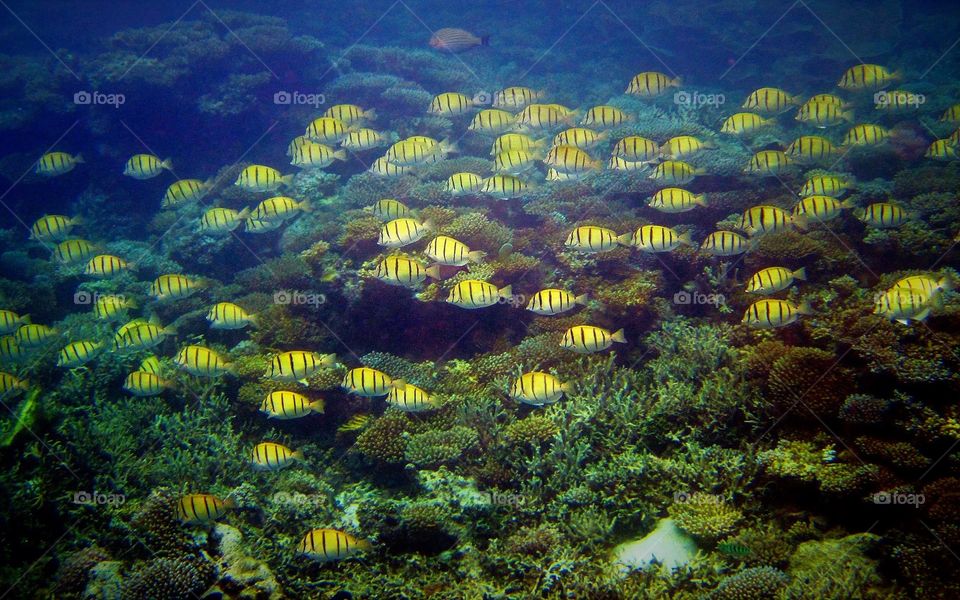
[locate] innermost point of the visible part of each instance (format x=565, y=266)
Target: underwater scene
x=419, y=299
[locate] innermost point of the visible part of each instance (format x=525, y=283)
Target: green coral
x=705, y=516
x=835, y=568
x=434, y=447
x=755, y=583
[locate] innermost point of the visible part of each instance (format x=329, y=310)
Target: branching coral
x=705, y=516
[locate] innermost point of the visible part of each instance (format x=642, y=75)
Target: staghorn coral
x=705, y=516
x=835, y=568
x=898, y=454
x=755, y=583
x=533, y=430
x=766, y=544
x=168, y=579
x=808, y=377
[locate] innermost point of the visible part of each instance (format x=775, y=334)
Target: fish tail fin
x=287, y=180
x=897, y=75
x=506, y=292
x=476, y=256
x=297, y=455
x=685, y=238
x=169, y=330
x=317, y=406
x=167, y=164
x=365, y=545
x=800, y=274
x=701, y=200
x=78, y=220
x=625, y=239
x=619, y=336
x=433, y=271
x=229, y=503
x=448, y=147
x=675, y=82
x=398, y=384
x=370, y=115
x=429, y=225
x=847, y=116
x=800, y=222
x=567, y=387
x=485, y=40
x=340, y=154
x=582, y=299
x=805, y=308
x=25, y=319
x=306, y=205
x=254, y=320
x=329, y=360
x=243, y=214
x=848, y=203
x=132, y=266
x=78, y=158
x=945, y=283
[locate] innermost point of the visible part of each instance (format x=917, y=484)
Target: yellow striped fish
x=326, y=130
x=926, y=284
x=951, y=115
x=354, y=423
x=260, y=178
x=811, y=148
x=537, y=388
x=142, y=336
x=11, y=383
x=350, y=113
x=591, y=239
x=11, y=321
x=145, y=384
x=270, y=456
x=295, y=142
x=604, y=116
x=553, y=301
x=636, y=148
x=388, y=209
x=261, y=225
x=516, y=141
x=52, y=164
x=298, y=365
x=570, y=159
x=882, y=215
x=128, y=326
x=555, y=175
x=651, y=83
x=492, y=121
x=328, y=545
x=53, y=228
x=471, y=293
x=103, y=265
x=203, y=362
x=369, y=383
x=504, y=186
x=768, y=162
x=586, y=339
x=740, y=123
x=682, y=146
x=196, y=509
x=676, y=200
x=385, y=168
x=450, y=104
x=289, y=405
x=867, y=77
x=33, y=334
x=825, y=185
x=770, y=313
x=403, y=231
x=579, y=137
x=412, y=153
x=174, y=285
x=447, y=251
x=279, y=208
x=463, y=183
x=768, y=219
x=145, y=166
x=655, y=238
x=403, y=271
x=823, y=114
x=71, y=251
x=621, y=164
x=184, y=190
x=770, y=100
x=773, y=279
x=365, y=139
x=410, y=398
x=515, y=97
x=903, y=305
x=514, y=162
x=227, y=315
x=536, y=117
x=942, y=150
x=725, y=243
x=79, y=353
x=866, y=134
x=150, y=364
x=9, y=348
x=821, y=208
x=675, y=172
x=222, y=220
x=113, y=305
x=828, y=99
x=314, y=155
